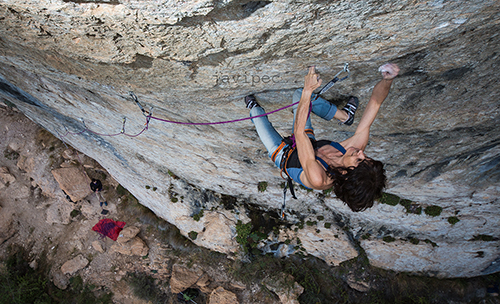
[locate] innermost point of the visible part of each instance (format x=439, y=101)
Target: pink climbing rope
x=149, y=117
x=221, y=122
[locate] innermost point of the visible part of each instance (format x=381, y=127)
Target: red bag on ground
x=109, y=228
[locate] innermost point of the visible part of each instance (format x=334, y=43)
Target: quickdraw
x=334, y=80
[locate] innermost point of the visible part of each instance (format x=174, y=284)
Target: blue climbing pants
x=272, y=139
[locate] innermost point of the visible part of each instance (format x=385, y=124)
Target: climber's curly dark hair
x=359, y=186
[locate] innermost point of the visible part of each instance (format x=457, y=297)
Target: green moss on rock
x=262, y=186
x=453, y=220
x=388, y=239
x=193, y=235
x=414, y=241
x=433, y=210
x=198, y=216
x=389, y=199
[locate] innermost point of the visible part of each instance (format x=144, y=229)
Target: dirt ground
x=37, y=215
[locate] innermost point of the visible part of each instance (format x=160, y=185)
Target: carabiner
x=138, y=103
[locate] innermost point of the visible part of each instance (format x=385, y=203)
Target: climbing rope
x=149, y=115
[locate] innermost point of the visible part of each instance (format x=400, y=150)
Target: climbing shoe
x=251, y=102
x=350, y=108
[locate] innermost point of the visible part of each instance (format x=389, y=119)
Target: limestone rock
x=34, y=264
x=6, y=176
x=127, y=234
x=135, y=246
x=330, y=244
x=203, y=283
x=6, y=227
x=222, y=296
x=14, y=146
x=73, y=181
x=26, y=163
x=281, y=287
x=59, y=279
x=90, y=210
x=218, y=232
x=426, y=256
x=37, y=165
x=59, y=212
x=97, y=246
x=357, y=284
x=68, y=71
x=183, y=277
x=73, y=265
x=138, y=247
x=69, y=154
x=237, y=285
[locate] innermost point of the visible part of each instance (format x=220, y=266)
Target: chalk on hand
x=386, y=68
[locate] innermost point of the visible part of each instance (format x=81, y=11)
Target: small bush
x=388, y=239
x=327, y=191
x=433, y=210
x=243, y=232
x=414, y=241
x=20, y=284
x=121, y=191
x=198, y=216
x=193, y=235
x=248, y=238
x=144, y=287
x=365, y=236
x=262, y=186
x=453, y=220
x=389, y=199
x=10, y=154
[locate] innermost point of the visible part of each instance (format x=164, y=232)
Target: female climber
x=356, y=179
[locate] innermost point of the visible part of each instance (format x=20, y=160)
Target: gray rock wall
x=68, y=65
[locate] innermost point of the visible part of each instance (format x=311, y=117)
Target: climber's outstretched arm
x=380, y=91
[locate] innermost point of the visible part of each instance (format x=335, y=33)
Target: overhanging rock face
x=68, y=65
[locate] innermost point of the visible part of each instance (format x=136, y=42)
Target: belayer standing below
x=96, y=187
x=356, y=179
